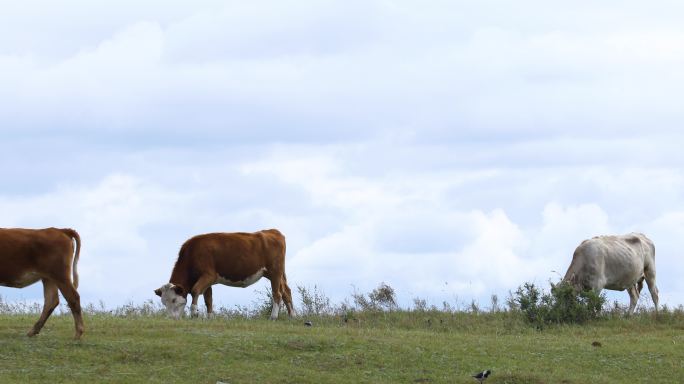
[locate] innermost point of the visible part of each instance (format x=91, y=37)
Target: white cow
x=616, y=263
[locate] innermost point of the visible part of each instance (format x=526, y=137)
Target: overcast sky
x=451, y=149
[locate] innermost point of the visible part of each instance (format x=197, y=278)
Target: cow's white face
x=172, y=299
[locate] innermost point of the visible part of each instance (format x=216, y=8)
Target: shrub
x=263, y=305
x=420, y=305
x=314, y=301
x=495, y=303
x=381, y=298
x=384, y=297
x=361, y=302
x=563, y=305
x=474, y=307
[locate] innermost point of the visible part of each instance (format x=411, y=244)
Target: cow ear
x=158, y=292
x=180, y=291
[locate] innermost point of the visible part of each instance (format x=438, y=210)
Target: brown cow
x=29, y=255
x=233, y=259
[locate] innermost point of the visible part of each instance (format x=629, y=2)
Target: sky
x=453, y=150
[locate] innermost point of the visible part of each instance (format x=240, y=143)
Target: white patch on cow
x=175, y=304
x=249, y=280
x=193, y=310
x=275, y=310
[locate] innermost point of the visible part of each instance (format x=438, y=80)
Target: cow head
x=173, y=297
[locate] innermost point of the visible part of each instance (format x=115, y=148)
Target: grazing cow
x=29, y=255
x=616, y=263
x=233, y=259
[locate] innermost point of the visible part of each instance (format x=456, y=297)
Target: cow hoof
x=32, y=333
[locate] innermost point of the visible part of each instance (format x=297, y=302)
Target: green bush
x=562, y=305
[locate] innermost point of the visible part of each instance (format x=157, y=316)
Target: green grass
x=401, y=347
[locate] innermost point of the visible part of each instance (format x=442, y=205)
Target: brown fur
x=233, y=256
x=29, y=255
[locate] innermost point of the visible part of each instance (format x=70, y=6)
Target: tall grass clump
x=314, y=301
x=24, y=308
x=562, y=305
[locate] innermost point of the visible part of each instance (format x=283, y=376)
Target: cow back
x=232, y=256
x=33, y=252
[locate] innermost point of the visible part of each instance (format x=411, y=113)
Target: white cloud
x=332, y=69
x=400, y=230
x=579, y=221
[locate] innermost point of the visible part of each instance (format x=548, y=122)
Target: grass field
x=371, y=347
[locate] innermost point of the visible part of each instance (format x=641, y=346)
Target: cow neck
x=181, y=275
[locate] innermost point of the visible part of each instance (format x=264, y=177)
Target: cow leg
x=74, y=300
x=277, y=297
x=633, y=298
x=51, y=300
x=199, y=288
x=208, y=301
x=287, y=296
x=650, y=281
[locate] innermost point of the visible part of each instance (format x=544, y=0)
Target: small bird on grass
x=482, y=375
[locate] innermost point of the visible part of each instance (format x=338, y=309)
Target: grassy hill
x=369, y=347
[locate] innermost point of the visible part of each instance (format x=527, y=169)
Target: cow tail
x=74, y=235
x=284, y=254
